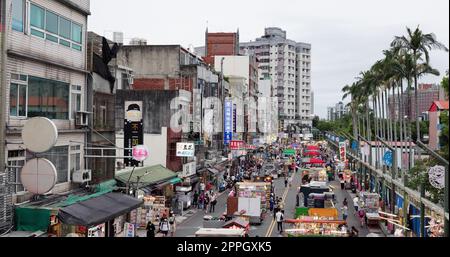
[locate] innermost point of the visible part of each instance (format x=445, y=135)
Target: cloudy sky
x=347, y=36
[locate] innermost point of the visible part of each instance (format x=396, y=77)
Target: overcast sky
x=347, y=36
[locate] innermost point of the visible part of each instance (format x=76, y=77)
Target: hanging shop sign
x=129, y=229
x=185, y=149
x=387, y=158
x=237, y=145
x=140, y=153
x=343, y=151
x=228, y=122
x=189, y=169
x=355, y=145
x=436, y=176
x=133, y=130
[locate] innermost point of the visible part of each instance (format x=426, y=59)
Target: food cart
x=220, y=232
x=253, y=199
x=371, y=207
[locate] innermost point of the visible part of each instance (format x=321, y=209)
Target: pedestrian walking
x=150, y=229
x=297, y=200
x=207, y=202
x=342, y=181
x=201, y=200
x=290, y=181
x=213, y=203
x=345, y=202
x=279, y=219
x=344, y=210
x=195, y=199
x=172, y=222
x=164, y=226
x=202, y=187
x=285, y=182
x=356, y=203
x=362, y=217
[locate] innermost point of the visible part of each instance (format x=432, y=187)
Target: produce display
x=154, y=207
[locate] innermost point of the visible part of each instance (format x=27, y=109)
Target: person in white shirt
x=356, y=203
x=202, y=187
x=279, y=216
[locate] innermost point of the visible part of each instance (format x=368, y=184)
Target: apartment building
x=46, y=76
x=287, y=64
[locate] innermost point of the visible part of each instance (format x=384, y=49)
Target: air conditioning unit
x=81, y=119
x=82, y=176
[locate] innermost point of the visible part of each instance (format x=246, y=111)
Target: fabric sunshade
x=98, y=210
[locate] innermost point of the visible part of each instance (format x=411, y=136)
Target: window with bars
x=16, y=160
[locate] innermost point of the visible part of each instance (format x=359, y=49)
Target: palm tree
x=418, y=43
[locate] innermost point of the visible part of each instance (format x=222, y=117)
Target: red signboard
x=237, y=145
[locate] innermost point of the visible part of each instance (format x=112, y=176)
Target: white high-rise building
x=288, y=64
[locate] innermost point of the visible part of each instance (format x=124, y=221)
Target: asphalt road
x=268, y=228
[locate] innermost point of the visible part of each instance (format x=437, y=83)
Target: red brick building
x=220, y=43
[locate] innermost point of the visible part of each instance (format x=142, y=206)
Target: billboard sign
x=237, y=145
x=343, y=151
x=133, y=130
x=185, y=149
x=228, y=122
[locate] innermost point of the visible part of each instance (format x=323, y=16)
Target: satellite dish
x=38, y=176
x=39, y=134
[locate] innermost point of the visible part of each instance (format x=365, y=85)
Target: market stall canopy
x=312, y=148
x=213, y=171
x=312, y=153
x=315, y=161
x=146, y=176
x=98, y=210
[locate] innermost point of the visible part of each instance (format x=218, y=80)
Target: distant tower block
x=118, y=37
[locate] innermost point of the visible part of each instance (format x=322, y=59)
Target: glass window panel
x=51, y=24
x=76, y=33
x=51, y=38
x=48, y=98
x=13, y=104
x=37, y=15
x=64, y=42
x=23, y=77
x=22, y=100
x=64, y=28
x=17, y=15
x=59, y=156
x=76, y=47
x=37, y=33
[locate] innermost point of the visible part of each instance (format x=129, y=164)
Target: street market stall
x=154, y=208
x=371, y=207
x=317, y=223
x=253, y=198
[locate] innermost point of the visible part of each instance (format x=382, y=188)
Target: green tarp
x=100, y=189
x=289, y=152
x=301, y=212
x=32, y=219
x=146, y=176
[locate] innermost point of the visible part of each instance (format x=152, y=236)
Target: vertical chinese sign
x=343, y=151
x=228, y=122
x=133, y=130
